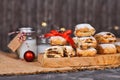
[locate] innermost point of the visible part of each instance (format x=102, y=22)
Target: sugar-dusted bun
x=54, y=52
x=105, y=37
x=57, y=40
x=75, y=39
x=106, y=49
x=117, y=44
x=85, y=42
x=68, y=51
x=87, y=52
x=84, y=30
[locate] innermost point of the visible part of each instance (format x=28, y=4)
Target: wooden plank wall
x=104, y=15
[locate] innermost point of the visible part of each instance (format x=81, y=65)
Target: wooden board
x=98, y=60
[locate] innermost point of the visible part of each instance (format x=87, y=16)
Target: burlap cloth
x=11, y=65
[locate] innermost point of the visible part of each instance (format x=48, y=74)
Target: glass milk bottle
x=44, y=44
x=29, y=44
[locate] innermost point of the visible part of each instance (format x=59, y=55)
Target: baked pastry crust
x=106, y=49
x=57, y=40
x=84, y=30
x=87, y=52
x=105, y=37
x=75, y=39
x=54, y=52
x=117, y=44
x=85, y=42
x=68, y=51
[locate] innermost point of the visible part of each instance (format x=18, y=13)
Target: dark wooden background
x=104, y=15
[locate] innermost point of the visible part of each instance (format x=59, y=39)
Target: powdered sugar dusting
x=58, y=38
x=107, y=45
x=69, y=48
x=92, y=49
x=104, y=33
x=79, y=26
x=84, y=38
x=117, y=43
